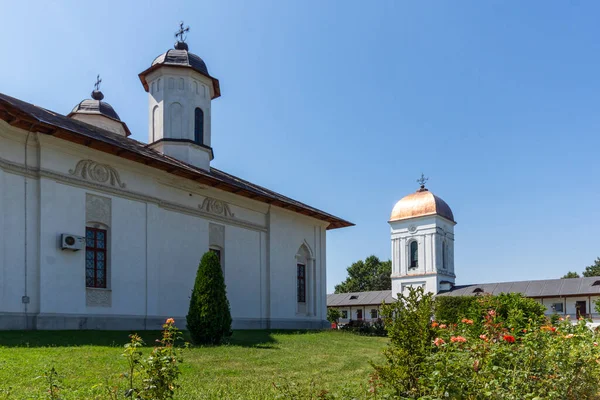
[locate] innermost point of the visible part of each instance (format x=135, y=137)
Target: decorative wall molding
x=97, y=209
x=216, y=235
x=217, y=207
x=96, y=172
x=76, y=181
x=98, y=297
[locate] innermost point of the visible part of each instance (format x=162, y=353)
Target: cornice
x=104, y=186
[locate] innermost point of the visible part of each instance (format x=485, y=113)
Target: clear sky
x=342, y=104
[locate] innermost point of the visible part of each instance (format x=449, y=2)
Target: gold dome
x=419, y=204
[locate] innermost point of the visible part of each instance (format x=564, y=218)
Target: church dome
x=419, y=204
x=96, y=112
x=95, y=105
x=181, y=57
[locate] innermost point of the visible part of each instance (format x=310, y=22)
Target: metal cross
x=98, y=81
x=182, y=31
x=421, y=181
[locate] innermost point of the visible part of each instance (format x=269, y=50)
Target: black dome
x=182, y=58
x=91, y=106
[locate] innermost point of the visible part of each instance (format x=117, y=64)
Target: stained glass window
x=301, y=283
x=199, y=126
x=95, y=258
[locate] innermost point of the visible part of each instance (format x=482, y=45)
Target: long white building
x=99, y=231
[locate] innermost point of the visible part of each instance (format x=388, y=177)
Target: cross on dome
x=97, y=94
x=421, y=181
x=98, y=82
x=182, y=31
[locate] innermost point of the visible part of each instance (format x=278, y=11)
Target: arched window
x=199, y=126
x=444, y=256
x=414, y=255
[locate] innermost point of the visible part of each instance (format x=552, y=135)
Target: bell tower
x=422, y=235
x=180, y=92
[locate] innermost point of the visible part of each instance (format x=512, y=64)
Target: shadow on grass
x=262, y=339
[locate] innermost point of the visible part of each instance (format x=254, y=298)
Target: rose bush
x=495, y=361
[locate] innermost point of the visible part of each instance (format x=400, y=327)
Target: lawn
x=247, y=367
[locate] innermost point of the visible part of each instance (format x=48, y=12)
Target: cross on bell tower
x=98, y=82
x=182, y=31
x=422, y=180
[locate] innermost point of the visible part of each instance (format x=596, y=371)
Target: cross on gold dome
x=421, y=181
x=98, y=81
x=182, y=31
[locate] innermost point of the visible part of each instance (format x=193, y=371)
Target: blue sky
x=342, y=105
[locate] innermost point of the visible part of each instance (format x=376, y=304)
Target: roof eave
x=23, y=120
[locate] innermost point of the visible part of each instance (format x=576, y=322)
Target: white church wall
x=158, y=232
x=12, y=243
x=184, y=239
x=243, y=273
x=288, y=232
x=62, y=272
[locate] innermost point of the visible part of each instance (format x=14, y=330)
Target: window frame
x=374, y=313
x=413, y=263
x=344, y=314
x=199, y=126
x=301, y=283
x=555, y=309
x=96, y=250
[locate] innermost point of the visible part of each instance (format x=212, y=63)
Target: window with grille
x=95, y=257
x=301, y=283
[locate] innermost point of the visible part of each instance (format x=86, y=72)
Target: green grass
x=246, y=368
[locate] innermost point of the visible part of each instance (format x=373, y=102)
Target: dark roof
x=181, y=58
x=91, y=106
x=537, y=288
x=360, y=298
x=30, y=117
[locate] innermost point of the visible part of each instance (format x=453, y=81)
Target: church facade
x=422, y=253
x=100, y=231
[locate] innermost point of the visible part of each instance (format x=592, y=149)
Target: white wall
x=158, y=232
x=429, y=232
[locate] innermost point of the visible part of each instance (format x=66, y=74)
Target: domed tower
x=422, y=229
x=96, y=112
x=180, y=92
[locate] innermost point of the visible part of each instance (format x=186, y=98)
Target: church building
x=100, y=231
x=422, y=253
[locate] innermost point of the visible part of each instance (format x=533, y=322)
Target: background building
x=422, y=236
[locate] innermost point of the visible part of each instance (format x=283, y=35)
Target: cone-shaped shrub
x=209, y=317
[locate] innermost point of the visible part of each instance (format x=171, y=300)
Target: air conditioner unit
x=72, y=242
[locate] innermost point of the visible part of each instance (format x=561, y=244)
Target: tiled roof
x=537, y=288
x=360, y=298
x=30, y=117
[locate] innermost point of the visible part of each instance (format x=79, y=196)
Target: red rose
x=509, y=338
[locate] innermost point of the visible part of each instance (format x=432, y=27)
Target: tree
x=570, y=274
x=333, y=315
x=593, y=270
x=370, y=274
x=209, y=316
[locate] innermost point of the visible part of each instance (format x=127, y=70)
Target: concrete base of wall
x=18, y=321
